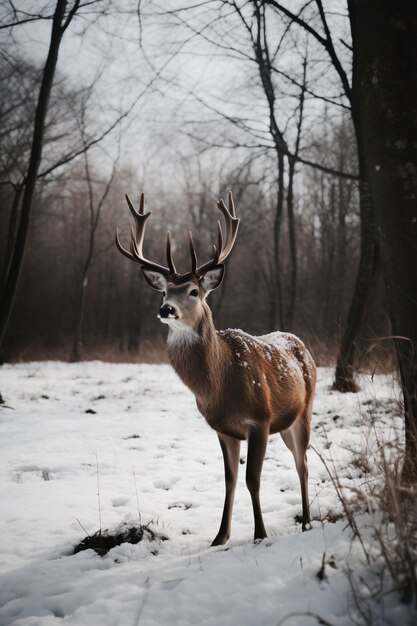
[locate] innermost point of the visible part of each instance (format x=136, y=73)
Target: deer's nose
x=167, y=311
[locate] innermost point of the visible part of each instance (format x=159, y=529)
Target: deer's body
x=246, y=387
x=240, y=380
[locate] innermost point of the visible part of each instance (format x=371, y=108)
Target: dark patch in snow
x=121, y=501
x=180, y=505
x=332, y=562
x=32, y=473
x=330, y=517
x=321, y=574
x=103, y=541
x=91, y=411
x=3, y=403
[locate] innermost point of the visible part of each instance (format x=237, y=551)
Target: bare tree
x=20, y=83
x=60, y=22
x=37, y=169
x=384, y=36
x=344, y=376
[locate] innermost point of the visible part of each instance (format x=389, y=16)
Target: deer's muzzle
x=167, y=311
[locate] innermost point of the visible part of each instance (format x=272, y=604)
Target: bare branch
x=233, y=145
x=326, y=41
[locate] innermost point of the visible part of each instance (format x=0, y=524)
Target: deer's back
x=273, y=377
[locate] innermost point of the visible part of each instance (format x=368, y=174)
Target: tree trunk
x=260, y=46
x=292, y=295
x=385, y=47
x=11, y=235
x=368, y=262
x=366, y=275
x=345, y=372
x=277, y=305
x=10, y=287
x=292, y=289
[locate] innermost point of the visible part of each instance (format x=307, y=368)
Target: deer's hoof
x=260, y=535
x=220, y=540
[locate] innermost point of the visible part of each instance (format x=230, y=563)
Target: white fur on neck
x=181, y=333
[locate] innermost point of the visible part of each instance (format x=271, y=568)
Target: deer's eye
x=194, y=293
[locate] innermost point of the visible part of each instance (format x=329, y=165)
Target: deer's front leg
x=231, y=449
x=257, y=440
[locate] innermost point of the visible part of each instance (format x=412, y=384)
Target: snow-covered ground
x=94, y=445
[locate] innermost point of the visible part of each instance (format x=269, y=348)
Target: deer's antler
x=220, y=252
x=136, y=241
x=223, y=248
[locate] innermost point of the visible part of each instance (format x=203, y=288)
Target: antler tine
x=136, y=216
x=232, y=225
x=142, y=203
x=123, y=250
x=140, y=219
x=193, y=253
x=170, y=260
x=219, y=236
x=139, y=258
x=232, y=209
x=136, y=253
x=216, y=255
x=133, y=211
x=224, y=246
x=136, y=241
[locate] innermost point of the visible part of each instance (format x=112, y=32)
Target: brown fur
x=247, y=388
x=237, y=377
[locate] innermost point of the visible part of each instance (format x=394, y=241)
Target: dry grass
x=382, y=517
x=150, y=352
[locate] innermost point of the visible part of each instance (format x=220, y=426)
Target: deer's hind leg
x=297, y=438
x=257, y=441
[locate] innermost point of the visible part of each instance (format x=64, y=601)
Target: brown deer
x=246, y=387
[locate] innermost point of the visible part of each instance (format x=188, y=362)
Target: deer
x=246, y=387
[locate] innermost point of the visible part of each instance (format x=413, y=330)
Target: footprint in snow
x=166, y=485
x=180, y=505
x=121, y=501
x=32, y=472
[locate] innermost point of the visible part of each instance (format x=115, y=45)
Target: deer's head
x=183, y=294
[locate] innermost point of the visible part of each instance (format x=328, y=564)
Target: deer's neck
x=200, y=358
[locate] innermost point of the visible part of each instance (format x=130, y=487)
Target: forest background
x=185, y=102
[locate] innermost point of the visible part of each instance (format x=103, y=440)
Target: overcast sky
x=171, y=71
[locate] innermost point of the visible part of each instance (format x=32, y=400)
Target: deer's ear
x=212, y=279
x=155, y=279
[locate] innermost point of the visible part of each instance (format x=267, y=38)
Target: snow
x=284, y=350
x=94, y=445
